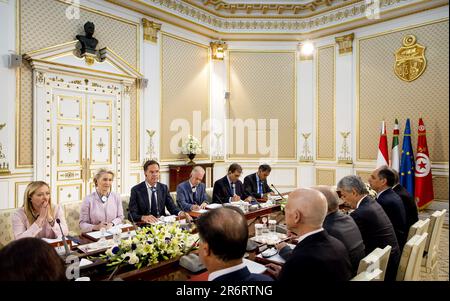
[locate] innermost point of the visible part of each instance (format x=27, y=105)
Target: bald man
x=191, y=194
x=317, y=256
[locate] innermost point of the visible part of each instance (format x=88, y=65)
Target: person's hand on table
x=150, y=219
x=273, y=269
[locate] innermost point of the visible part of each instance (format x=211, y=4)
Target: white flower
x=191, y=146
x=133, y=258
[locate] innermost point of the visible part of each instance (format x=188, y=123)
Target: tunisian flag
x=383, y=153
x=423, y=181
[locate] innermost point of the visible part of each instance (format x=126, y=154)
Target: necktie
x=154, y=208
x=194, y=194
x=233, y=189
x=260, y=188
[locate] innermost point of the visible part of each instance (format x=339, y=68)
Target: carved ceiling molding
x=267, y=9
x=355, y=11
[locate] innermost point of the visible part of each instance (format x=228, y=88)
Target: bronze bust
x=88, y=42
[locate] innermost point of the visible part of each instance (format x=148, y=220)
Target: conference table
x=169, y=270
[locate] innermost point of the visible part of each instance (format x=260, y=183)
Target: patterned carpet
x=443, y=254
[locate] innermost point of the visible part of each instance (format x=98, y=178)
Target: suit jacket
x=243, y=275
x=317, y=258
x=377, y=232
x=140, y=204
x=395, y=210
x=251, y=187
x=344, y=228
x=185, y=195
x=412, y=215
x=222, y=191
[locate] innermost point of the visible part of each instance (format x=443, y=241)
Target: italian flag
x=383, y=155
x=395, y=158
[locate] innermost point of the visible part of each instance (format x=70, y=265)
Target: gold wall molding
x=440, y=153
x=23, y=149
x=16, y=191
x=267, y=9
x=258, y=101
x=345, y=43
x=325, y=176
x=215, y=23
x=174, y=105
x=440, y=187
x=151, y=30
x=326, y=99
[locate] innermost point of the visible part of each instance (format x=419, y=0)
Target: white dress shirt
x=229, y=270
x=149, y=191
x=308, y=234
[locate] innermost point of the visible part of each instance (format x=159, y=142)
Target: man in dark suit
x=255, y=184
x=373, y=223
x=381, y=180
x=318, y=256
x=223, y=236
x=342, y=227
x=230, y=188
x=191, y=194
x=149, y=199
x=411, y=212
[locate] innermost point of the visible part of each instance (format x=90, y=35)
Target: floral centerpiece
x=191, y=147
x=151, y=245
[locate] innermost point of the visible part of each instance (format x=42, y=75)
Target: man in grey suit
x=342, y=227
x=191, y=194
x=373, y=223
x=338, y=225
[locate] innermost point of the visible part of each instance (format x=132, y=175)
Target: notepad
x=56, y=240
x=254, y=267
x=109, y=232
x=213, y=206
x=201, y=211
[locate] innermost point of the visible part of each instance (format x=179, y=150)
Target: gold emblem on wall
x=410, y=61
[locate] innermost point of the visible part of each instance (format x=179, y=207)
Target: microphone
x=63, y=237
x=131, y=217
x=132, y=221
x=273, y=186
x=117, y=268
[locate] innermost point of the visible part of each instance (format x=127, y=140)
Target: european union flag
x=407, y=164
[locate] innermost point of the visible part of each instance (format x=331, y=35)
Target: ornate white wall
x=287, y=174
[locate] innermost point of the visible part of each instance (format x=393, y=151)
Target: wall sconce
x=306, y=50
x=218, y=50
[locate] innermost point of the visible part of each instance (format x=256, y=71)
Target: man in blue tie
x=149, y=199
x=230, y=188
x=256, y=185
x=191, y=194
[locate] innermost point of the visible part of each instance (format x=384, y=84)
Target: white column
x=7, y=86
x=151, y=107
x=305, y=113
x=344, y=109
x=125, y=137
x=219, y=105
x=40, y=124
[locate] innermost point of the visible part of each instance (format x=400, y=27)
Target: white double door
x=84, y=127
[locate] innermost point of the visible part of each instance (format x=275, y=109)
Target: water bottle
x=102, y=240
